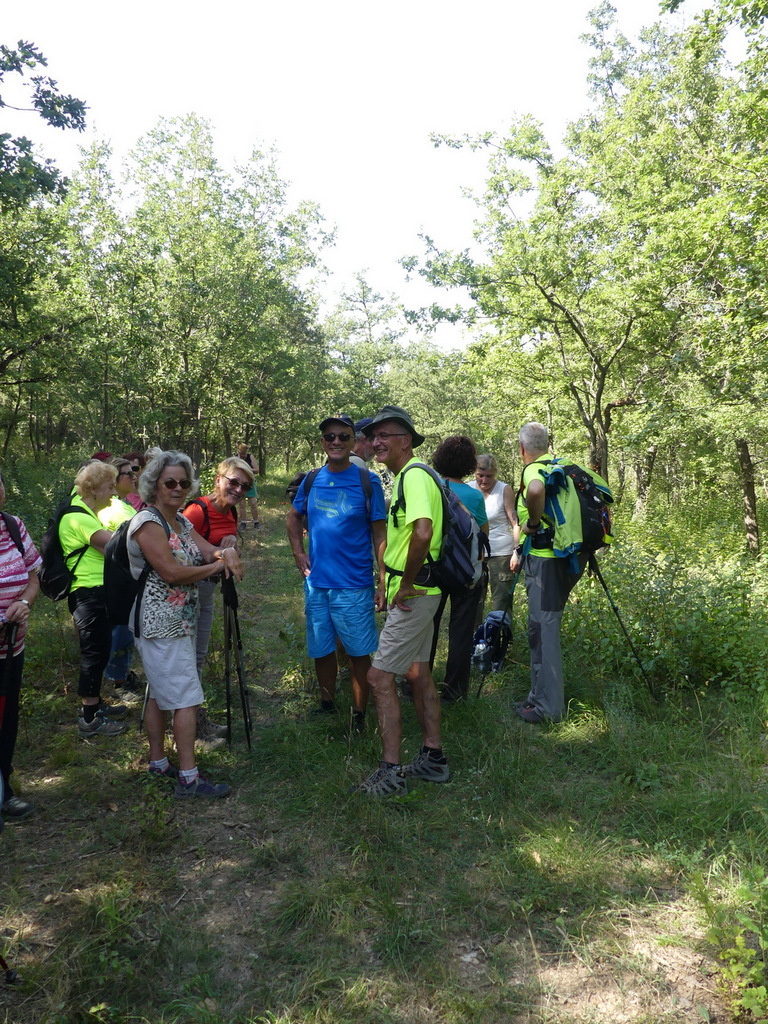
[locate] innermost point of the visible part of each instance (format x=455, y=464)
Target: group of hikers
x=365, y=553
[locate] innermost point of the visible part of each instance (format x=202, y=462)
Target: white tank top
x=499, y=531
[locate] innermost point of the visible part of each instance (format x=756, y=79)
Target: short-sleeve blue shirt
x=340, y=548
x=473, y=500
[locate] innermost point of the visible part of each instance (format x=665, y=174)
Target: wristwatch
x=23, y=600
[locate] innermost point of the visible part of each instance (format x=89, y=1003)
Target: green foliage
x=740, y=932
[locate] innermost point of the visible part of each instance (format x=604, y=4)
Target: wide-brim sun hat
x=395, y=412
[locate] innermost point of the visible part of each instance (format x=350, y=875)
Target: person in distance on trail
x=248, y=459
x=405, y=641
x=547, y=582
x=502, y=521
x=214, y=516
x=454, y=459
x=342, y=519
x=179, y=558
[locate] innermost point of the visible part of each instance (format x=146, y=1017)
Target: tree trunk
x=750, y=500
x=644, y=472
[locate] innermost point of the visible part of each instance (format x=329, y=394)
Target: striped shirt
x=14, y=576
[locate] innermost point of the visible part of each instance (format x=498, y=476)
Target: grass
x=547, y=881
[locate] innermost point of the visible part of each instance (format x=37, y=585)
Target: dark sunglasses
x=237, y=483
x=343, y=436
x=126, y=472
x=136, y=469
x=172, y=485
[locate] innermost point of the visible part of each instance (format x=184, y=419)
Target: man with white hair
x=548, y=583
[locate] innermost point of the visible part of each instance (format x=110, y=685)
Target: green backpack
x=576, y=512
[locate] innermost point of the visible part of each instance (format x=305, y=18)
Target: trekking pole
x=144, y=706
x=594, y=568
x=231, y=636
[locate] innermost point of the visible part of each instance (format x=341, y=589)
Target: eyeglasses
x=127, y=472
x=343, y=436
x=384, y=436
x=136, y=469
x=237, y=483
x=172, y=485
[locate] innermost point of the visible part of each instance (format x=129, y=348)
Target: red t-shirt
x=220, y=524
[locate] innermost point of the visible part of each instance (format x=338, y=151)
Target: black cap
x=341, y=418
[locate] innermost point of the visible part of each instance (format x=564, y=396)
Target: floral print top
x=167, y=612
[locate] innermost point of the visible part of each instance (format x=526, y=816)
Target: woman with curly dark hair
x=454, y=459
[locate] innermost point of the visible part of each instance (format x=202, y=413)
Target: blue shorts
x=347, y=614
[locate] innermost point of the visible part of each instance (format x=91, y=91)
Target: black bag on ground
x=55, y=574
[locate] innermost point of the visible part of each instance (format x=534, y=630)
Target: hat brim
x=416, y=438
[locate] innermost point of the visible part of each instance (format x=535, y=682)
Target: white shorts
x=171, y=670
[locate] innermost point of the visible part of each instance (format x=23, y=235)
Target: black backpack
x=463, y=546
x=203, y=504
x=55, y=575
x=120, y=587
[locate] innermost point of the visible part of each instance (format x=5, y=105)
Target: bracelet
x=23, y=600
x=534, y=526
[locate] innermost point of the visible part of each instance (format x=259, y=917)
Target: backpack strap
x=144, y=575
x=399, y=507
x=203, y=504
x=12, y=527
x=365, y=483
x=78, y=551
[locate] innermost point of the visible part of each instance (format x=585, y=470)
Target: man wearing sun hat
x=344, y=509
x=406, y=640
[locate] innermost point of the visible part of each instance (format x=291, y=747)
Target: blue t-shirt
x=473, y=499
x=340, y=548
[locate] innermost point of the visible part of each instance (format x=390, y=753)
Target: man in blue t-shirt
x=338, y=567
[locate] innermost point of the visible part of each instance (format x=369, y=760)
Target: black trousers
x=10, y=687
x=461, y=630
x=89, y=613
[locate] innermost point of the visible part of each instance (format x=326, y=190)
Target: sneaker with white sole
x=101, y=725
x=426, y=766
x=386, y=780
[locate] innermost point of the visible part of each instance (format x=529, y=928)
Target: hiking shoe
x=200, y=787
x=426, y=766
x=207, y=729
x=530, y=714
x=323, y=709
x=386, y=780
x=243, y=526
x=14, y=808
x=171, y=773
x=126, y=695
x=112, y=710
x=101, y=725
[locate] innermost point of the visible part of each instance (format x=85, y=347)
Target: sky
x=347, y=92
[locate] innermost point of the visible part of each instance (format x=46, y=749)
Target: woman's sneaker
x=426, y=766
x=102, y=725
x=200, y=787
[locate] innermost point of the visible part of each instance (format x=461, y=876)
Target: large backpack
x=463, y=547
x=576, y=504
x=490, y=642
x=203, y=504
x=121, y=590
x=55, y=574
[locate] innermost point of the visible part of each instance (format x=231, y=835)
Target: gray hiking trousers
x=548, y=584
